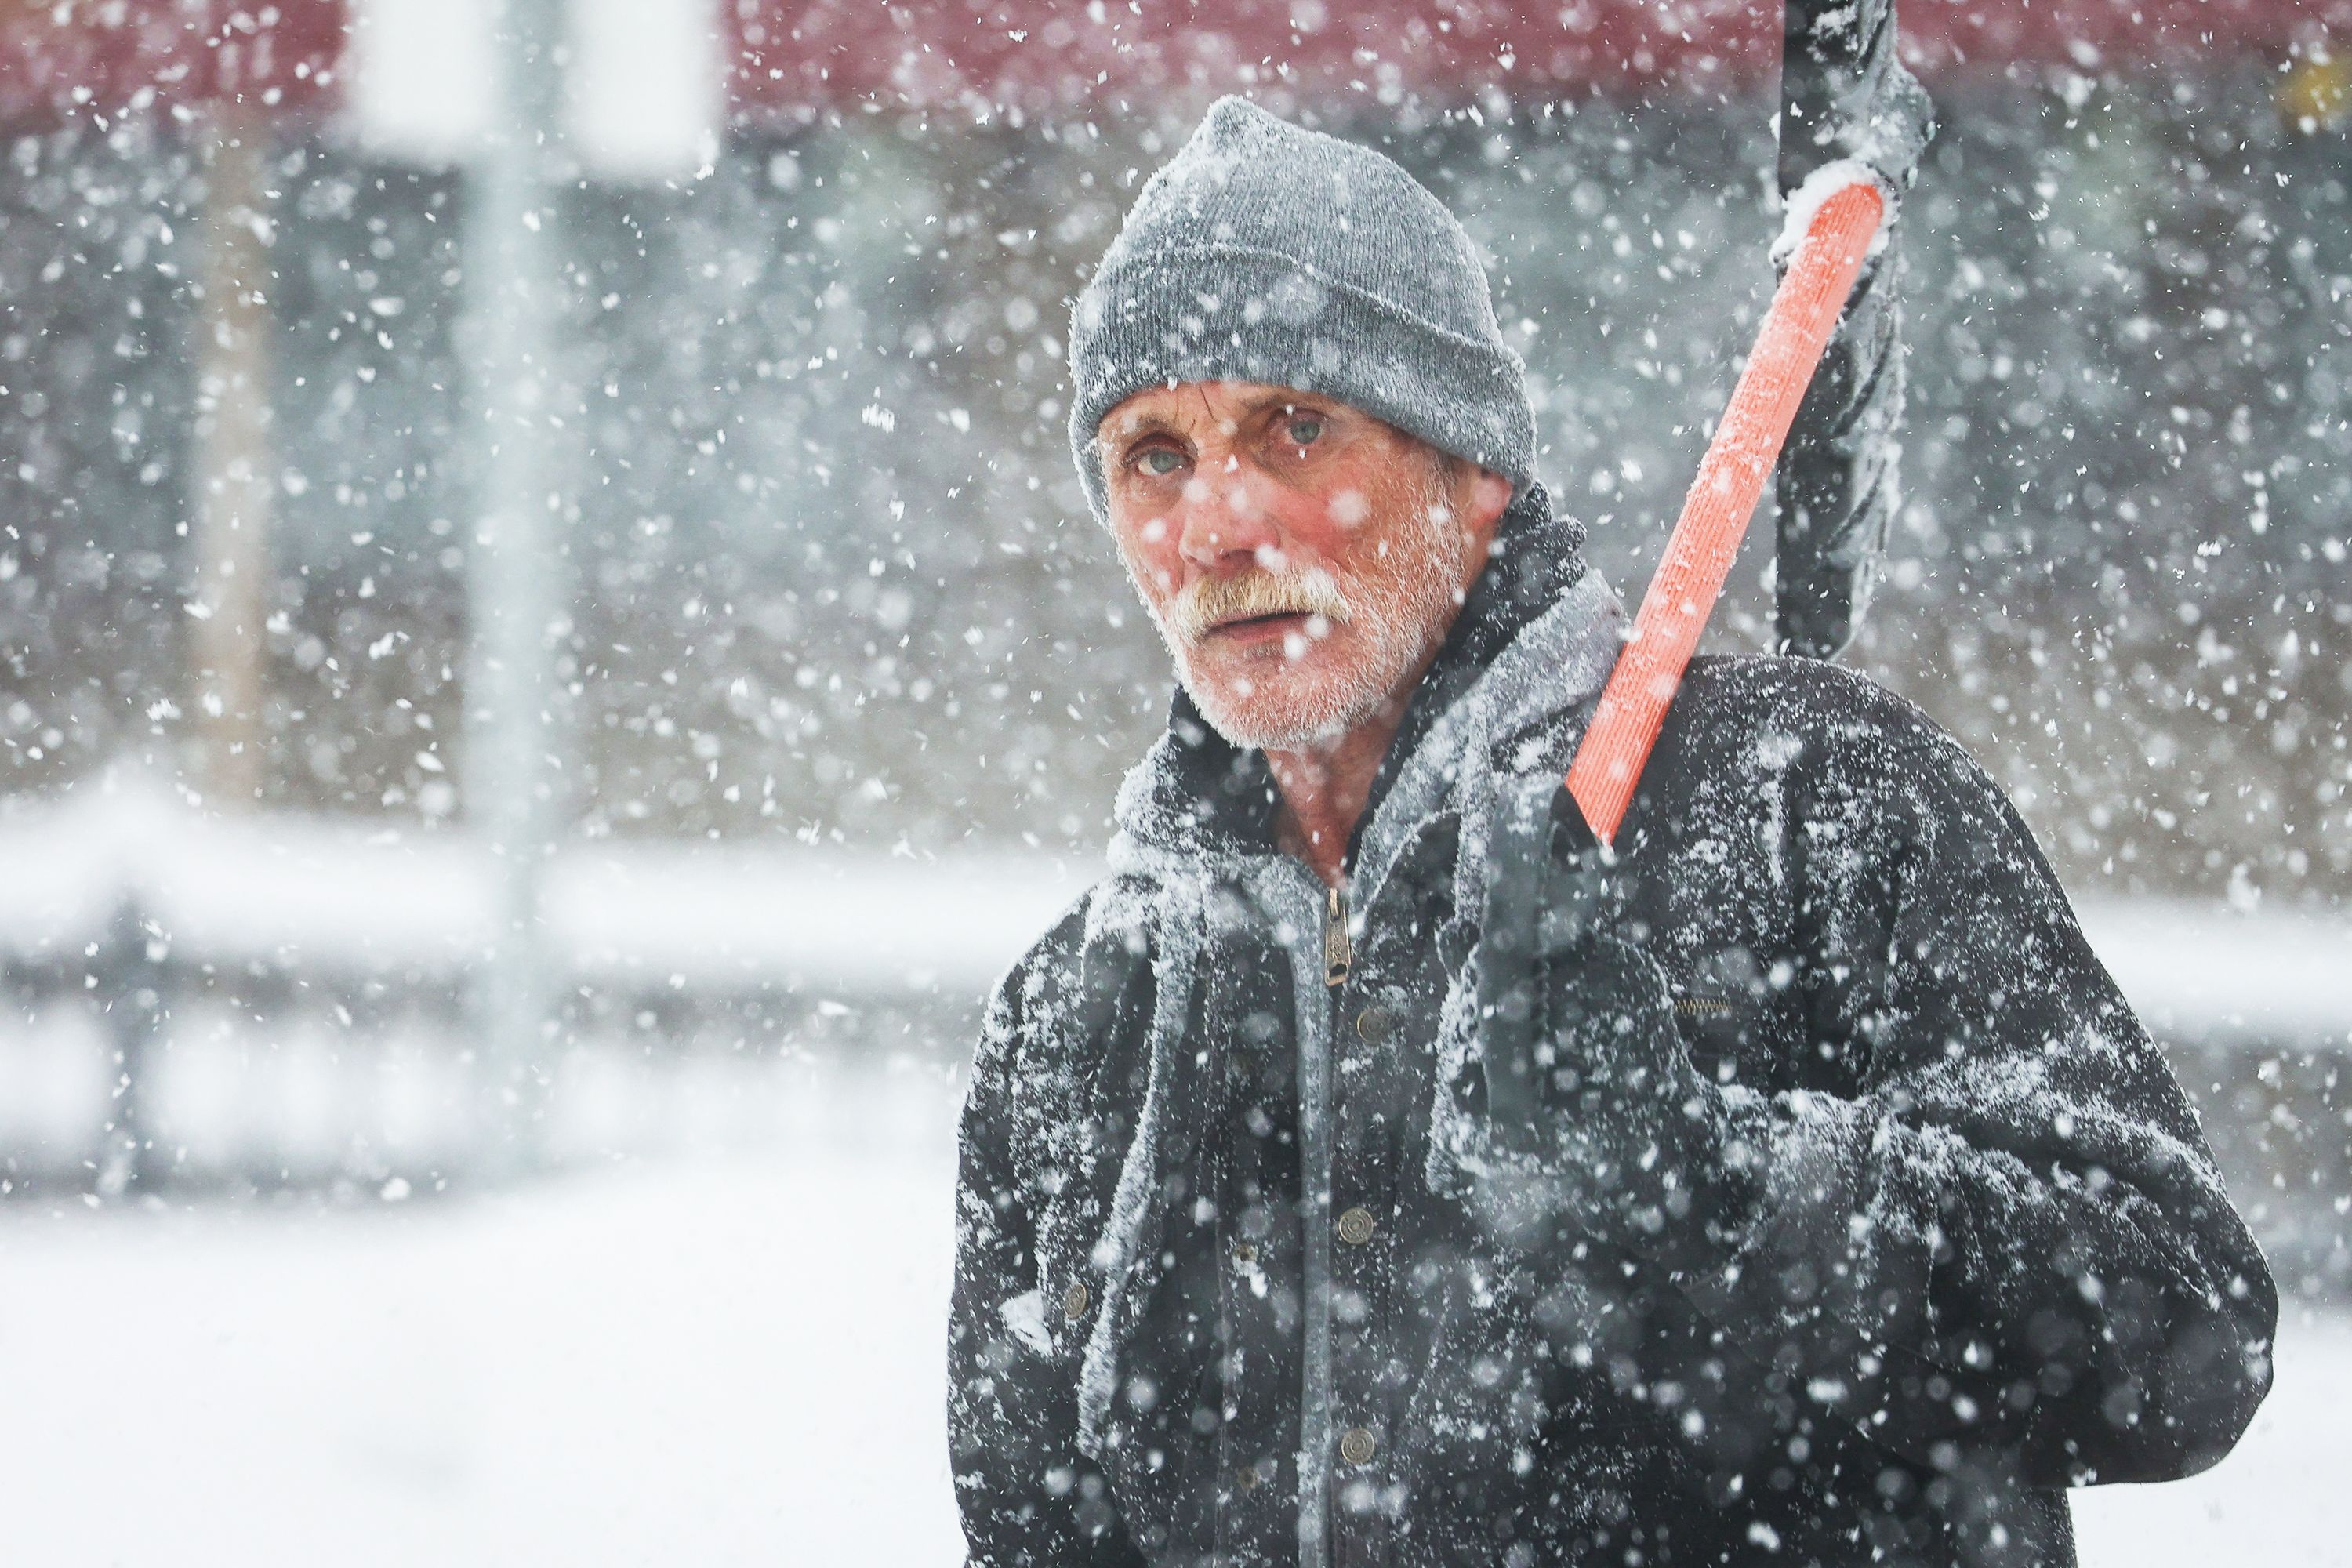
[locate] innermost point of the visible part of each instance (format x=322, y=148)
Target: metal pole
x=515, y=573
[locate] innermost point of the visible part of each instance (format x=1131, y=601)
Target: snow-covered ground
x=2278, y=1500
x=704, y=1359
x=729, y=1359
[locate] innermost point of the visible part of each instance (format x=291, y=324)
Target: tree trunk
x=232, y=442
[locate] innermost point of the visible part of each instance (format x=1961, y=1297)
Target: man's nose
x=1224, y=514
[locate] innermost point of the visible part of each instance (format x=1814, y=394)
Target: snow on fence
x=2211, y=972
x=302, y=894
x=2254, y=1008
x=283, y=998
x=286, y=999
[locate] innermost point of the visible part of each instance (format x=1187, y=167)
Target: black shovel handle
x=1545, y=893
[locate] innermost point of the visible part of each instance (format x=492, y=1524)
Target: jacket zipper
x=1338, y=950
x=1315, y=1151
x=1702, y=1007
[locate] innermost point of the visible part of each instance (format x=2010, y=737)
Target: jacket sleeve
x=1029, y=1499
x=1999, y=1225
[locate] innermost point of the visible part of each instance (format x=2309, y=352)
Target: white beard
x=1400, y=613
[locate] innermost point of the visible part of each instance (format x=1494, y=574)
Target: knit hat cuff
x=1237, y=313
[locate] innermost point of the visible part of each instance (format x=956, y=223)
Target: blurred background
x=550, y=648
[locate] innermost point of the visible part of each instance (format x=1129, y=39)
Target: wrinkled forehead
x=1198, y=406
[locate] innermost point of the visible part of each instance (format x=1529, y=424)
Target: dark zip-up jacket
x=1221, y=1296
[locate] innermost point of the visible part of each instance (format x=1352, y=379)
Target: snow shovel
x=1550, y=851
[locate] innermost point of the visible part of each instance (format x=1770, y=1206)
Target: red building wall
x=1043, y=56
x=108, y=56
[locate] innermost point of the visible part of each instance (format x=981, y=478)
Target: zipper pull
x=1338, y=951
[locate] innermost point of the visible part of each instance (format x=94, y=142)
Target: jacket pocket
x=1715, y=1028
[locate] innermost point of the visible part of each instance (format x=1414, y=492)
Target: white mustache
x=1202, y=607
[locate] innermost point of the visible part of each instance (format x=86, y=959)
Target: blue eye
x=1152, y=461
x=1304, y=429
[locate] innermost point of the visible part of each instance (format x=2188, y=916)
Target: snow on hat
x=1264, y=252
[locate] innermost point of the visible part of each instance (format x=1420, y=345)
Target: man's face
x=1301, y=559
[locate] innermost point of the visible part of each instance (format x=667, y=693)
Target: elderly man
x=1863, y=1219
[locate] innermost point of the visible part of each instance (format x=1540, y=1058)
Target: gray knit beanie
x=1263, y=252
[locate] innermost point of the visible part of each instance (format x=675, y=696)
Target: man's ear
x=1490, y=497
x=1479, y=495
x=1480, y=498
x=1480, y=504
